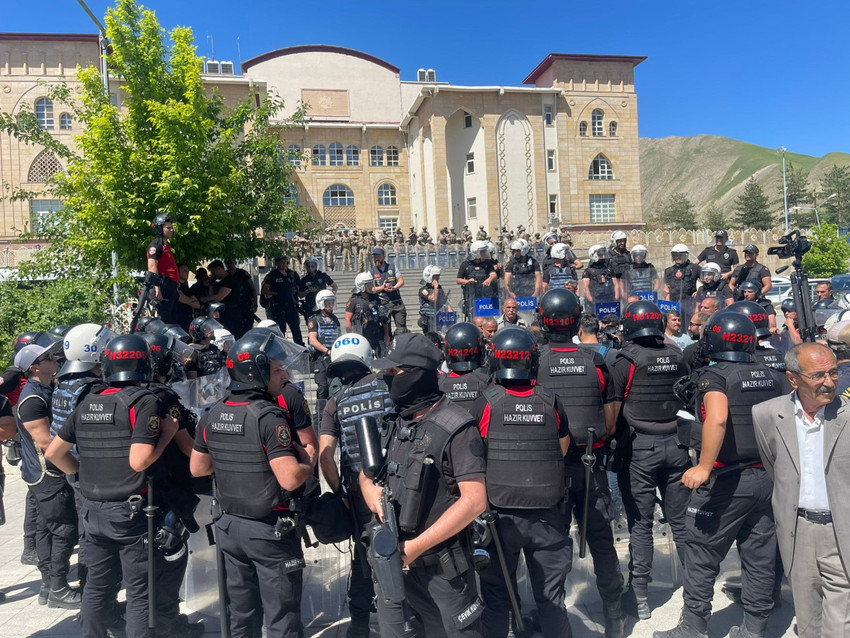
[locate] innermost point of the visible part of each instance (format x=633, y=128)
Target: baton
x=490, y=518
x=589, y=459
x=151, y=511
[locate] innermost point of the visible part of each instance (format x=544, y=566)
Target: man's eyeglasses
x=818, y=377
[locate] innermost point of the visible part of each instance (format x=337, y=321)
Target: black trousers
x=263, y=577
x=288, y=317
x=82, y=566
x=361, y=589
x=115, y=547
x=657, y=461
x=600, y=538
x=732, y=508
x=169, y=578
x=57, y=527
x=30, y=516
x=168, y=305
x=541, y=535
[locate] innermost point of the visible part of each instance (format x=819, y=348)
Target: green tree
x=829, y=253
x=677, y=211
x=716, y=219
x=221, y=173
x=753, y=207
x=799, y=195
x=835, y=210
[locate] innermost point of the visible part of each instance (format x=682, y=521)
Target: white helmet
x=361, y=281
x=430, y=272
x=617, y=235
x=223, y=338
x=266, y=323
x=322, y=296
x=709, y=268
x=350, y=347
x=551, y=235
x=640, y=249
x=559, y=251
x=596, y=252
x=478, y=247
x=493, y=249
x=679, y=250
x=83, y=346
x=520, y=245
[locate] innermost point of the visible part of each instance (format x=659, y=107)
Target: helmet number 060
x=347, y=341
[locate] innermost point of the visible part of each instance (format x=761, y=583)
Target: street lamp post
x=782, y=150
x=814, y=208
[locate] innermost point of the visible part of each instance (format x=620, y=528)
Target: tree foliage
x=716, y=219
x=829, y=253
x=753, y=207
x=675, y=212
x=220, y=173
x=835, y=210
x=799, y=195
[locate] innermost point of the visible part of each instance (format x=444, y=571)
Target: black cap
x=377, y=250
x=751, y=248
x=721, y=233
x=409, y=349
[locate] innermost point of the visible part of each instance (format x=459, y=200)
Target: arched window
x=43, y=167
x=596, y=122
x=582, y=129
x=338, y=195
x=386, y=195
x=600, y=168
x=335, y=157
x=44, y=113
x=294, y=154
x=319, y=155
x=392, y=156
x=65, y=121
x=352, y=155
x=612, y=129
x=376, y=156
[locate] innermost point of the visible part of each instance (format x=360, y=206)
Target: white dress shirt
x=813, y=494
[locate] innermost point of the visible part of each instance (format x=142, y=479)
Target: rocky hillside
x=710, y=169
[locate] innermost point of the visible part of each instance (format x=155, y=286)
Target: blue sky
x=770, y=72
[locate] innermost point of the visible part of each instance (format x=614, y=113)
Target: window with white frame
x=388, y=222
x=320, y=157
x=548, y=115
x=392, y=156
x=338, y=195
x=42, y=213
x=376, y=156
x=65, y=121
x=612, y=129
x=467, y=120
x=44, y=113
x=596, y=121
x=602, y=209
x=335, y=156
x=352, y=155
x=550, y=160
x=553, y=204
x=471, y=208
x=600, y=168
x=470, y=163
x=294, y=154
x=387, y=195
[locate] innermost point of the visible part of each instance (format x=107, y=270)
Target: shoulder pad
x=546, y=394
x=629, y=351
x=452, y=417
x=259, y=409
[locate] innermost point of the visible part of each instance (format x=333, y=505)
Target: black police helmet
x=824, y=304
x=559, y=311
x=37, y=338
x=249, y=359
x=788, y=305
x=756, y=314
x=57, y=332
x=126, y=358
x=729, y=336
x=513, y=355
x=642, y=319
x=158, y=222
x=750, y=285
x=162, y=353
x=149, y=324
x=173, y=330
x=196, y=329
x=464, y=347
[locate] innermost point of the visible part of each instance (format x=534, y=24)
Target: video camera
x=794, y=244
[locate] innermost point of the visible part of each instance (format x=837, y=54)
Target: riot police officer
x=619, y=258
x=752, y=270
x=161, y=263
x=599, y=285
x=313, y=281
x=205, y=358
x=322, y=330
x=429, y=437
x=119, y=433
x=639, y=275
x=522, y=272
x=713, y=285
x=763, y=353
x=365, y=316
x=731, y=497
x=432, y=298
x=477, y=276
x=362, y=393
x=464, y=353
x=579, y=377
x=680, y=279
x=525, y=484
x=721, y=254
x=643, y=375
x=386, y=283
x=558, y=271
x=248, y=441
x=751, y=291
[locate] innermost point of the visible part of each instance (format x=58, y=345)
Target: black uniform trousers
x=730, y=508
x=57, y=528
x=30, y=516
x=600, y=513
x=82, y=565
x=398, y=314
x=447, y=608
x=543, y=538
x=115, y=546
x=263, y=577
x=657, y=461
x=361, y=589
x=169, y=578
x=287, y=316
x=168, y=305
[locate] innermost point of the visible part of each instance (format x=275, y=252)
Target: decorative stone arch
x=514, y=165
x=610, y=111
x=600, y=151
x=43, y=167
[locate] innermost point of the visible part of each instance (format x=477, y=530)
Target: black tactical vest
x=34, y=467
x=619, y=262
x=104, y=434
x=66, y=396
x=571, y=373
x=245, y=483
x=681, y=280
x=770, y=357
x=640, y=278
x=327, y=329
x=746, y=384
x=414, y=476
x=367, y=397
x=525, y=465
x=387, y=275
x=650, y=405
x=601, y=282
x=558, y=277
x=464, y=389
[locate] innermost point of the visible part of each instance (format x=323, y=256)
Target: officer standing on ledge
x=246, y=439
x=579, y=377
x=362, y=394
x=161, y=262
x=386, y=283
x=525, y=484
x=721, y=254
x=464, y=352
x=119, y=433
x=643, y=375
x=731, y=493
x=430, y=438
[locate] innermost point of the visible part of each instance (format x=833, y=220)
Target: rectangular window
x=392, y=156
x=472, y=208
x=41, y=214
x=602, y=209
x=548, y=117
x=467, y=120
x=553, y=204
x=335, y=156
x=376, y=156
x=550, y=160
x=470, y=163
x=388, y=223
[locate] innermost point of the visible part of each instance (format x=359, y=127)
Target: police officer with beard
x=248, y=441
x=731, y=497
x=428, y=437
x=464, y=352
x=119, y=433
x=643, y=375
x=579, y=377
x=525, y=483
x=720, y=254
x=362, y=393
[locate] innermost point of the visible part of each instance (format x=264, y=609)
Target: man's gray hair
x=792, y=357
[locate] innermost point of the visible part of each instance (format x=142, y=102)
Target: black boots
x=62, y=595
x=614, y=621
x=44, y=589
x=29, y=555
x=751, y=627
x=690, y=626
x=635, y=602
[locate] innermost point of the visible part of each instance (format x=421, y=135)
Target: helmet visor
x=294, y=358
x=155, y=326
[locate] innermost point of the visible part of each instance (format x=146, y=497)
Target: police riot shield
x=438, y=316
